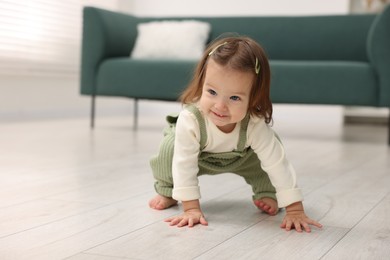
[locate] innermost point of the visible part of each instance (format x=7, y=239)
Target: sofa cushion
x=171, y=40
x=323, y=82
x=147, y=79
x=306, y=82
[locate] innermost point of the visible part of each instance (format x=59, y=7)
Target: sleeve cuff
x=186, y=194
x=288, y=197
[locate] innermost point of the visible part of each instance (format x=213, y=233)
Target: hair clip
x=257, y=67
x=216, y=47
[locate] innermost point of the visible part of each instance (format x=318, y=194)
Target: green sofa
x=335, y=60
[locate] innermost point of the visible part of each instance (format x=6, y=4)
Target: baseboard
x=366, y=120
x=366, y=115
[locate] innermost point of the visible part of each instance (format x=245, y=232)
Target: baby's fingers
x=169, y=219
x=173, y=220
x=297, y=226
x=306, y=227
x=203, y=221
x=185, y=222
x=189, y=221
x=314, y=223
x=192, y=221
x=287, y=224
x=306, y=224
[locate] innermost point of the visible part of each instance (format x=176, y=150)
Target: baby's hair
x=239, y=53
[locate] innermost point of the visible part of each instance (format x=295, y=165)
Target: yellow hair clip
x=257, y=67
x=216, y=47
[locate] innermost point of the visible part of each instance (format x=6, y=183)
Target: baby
x=224, y=127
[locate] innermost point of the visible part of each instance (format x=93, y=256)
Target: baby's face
x=225, y=95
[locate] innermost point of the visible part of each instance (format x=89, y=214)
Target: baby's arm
x=296, y=217
x=184, y=171
x=191, y=216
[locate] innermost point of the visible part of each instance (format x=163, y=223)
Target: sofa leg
x=388, y=129
x=93, y=111
x=135, y=119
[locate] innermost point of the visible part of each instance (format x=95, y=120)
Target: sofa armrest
x=105, y=34
x=378, y=48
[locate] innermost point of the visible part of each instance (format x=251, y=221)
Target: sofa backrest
x=336, y=37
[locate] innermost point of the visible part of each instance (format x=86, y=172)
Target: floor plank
x=227, y=216
x=370, y=239
x=35, y=213
x=84, y=256
x=267, y=241
x=69, y=236
x=72, y=235
x=345, y=200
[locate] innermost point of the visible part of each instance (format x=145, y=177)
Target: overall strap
x=202, y=124
x=243, y=135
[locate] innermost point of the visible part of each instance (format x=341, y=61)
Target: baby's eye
x=212, y=92
x=235, y=98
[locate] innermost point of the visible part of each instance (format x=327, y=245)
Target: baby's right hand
x=190, y=217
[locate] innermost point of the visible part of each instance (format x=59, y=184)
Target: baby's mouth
x=217, y=114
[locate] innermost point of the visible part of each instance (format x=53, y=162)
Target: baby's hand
x=190, y=218
x=296, y=217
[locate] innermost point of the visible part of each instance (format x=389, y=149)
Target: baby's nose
x=221, y=104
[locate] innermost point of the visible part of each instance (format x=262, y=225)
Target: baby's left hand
x=296, y=218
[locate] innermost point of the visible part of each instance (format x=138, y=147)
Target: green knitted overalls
x=243, y=162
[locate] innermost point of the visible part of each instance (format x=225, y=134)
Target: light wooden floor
x=70, y=193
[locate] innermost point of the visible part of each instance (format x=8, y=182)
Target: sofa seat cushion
x=306, y=82
x=146, y=79
x=323, y=82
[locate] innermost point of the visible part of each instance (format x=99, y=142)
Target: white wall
x=235, y=8
x=26, y=94
x=30, y=97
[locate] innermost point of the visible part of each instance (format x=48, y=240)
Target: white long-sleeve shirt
x=260, y=137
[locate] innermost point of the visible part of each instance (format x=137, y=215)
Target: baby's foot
x=160, y=202
x=268, y=205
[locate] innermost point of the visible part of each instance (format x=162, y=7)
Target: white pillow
x=171, y=40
